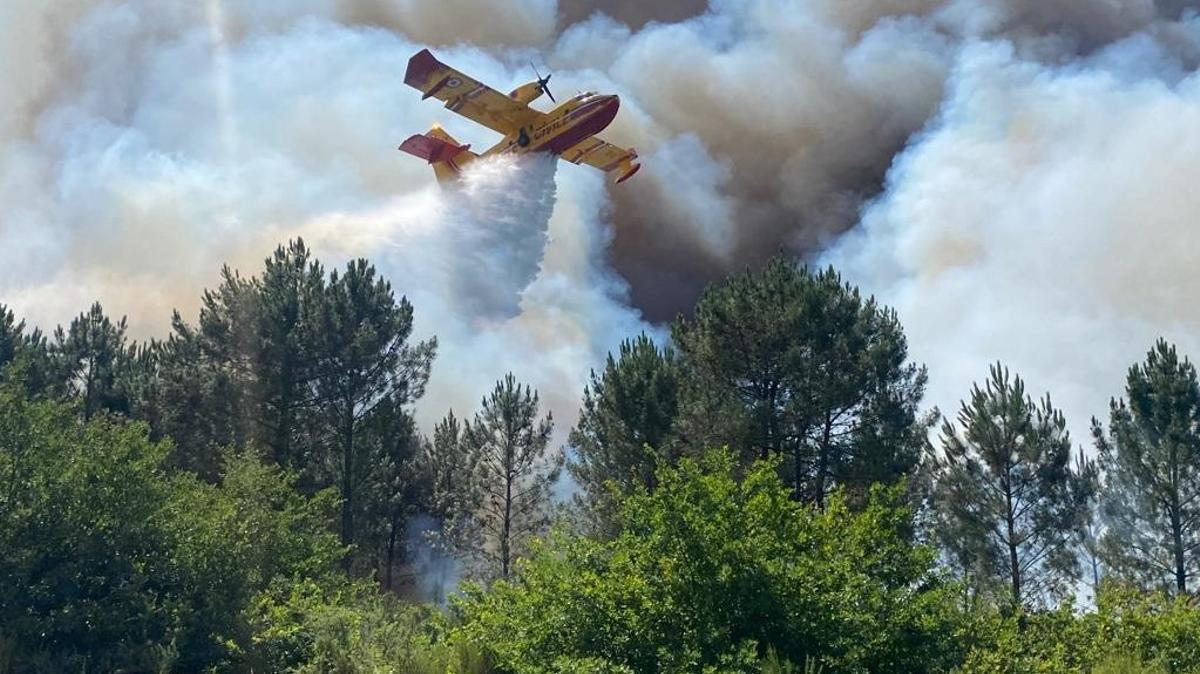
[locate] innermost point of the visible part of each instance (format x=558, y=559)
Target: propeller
x=543, y=82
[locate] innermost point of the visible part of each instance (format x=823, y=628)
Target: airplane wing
x=466, y=96
x=613, y=160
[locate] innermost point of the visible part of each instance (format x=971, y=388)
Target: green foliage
x=516, y=473
x=1151, y=503
x=193, y=399
x=1130, y=631
x=450, y=490
x=94, y=364
x=787, y=361
x=1127, y=664
x=1010, y=509
x=286, y=299
x=110, y=563
x=26, y=349
x=707, y=566
x=319, y=372
x=625, y=427
x=306, y=628
x=151, y=546
x=366, y=374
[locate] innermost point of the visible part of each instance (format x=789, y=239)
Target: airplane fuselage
x=562, y=128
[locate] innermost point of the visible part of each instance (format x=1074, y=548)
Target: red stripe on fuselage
x=593, y=117
x=593, y=122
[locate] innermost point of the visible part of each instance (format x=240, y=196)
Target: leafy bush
x=708, y=566
x=1130, y=631
x=110, y=563
x=306, y=628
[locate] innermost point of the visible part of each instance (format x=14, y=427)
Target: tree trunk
x=505, y=548
x=1013, y=562
x=348, y=480
x=823, y=462
x=771, y=442
x=88, y=386
x=1177, y=549
x=391, y=557
x=798, y=473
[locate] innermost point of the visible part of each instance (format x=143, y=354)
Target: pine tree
x=784, y=361
x=450, y=480
x=94, y=362
x=625, y=429
x=12, y=336
x=1009, y=506
x=517, y=473
x=1151, y=457
x=192, y=400
x=202, y=394
x=364, y=367
x=391, y=495
x=252, y=362
x=449, y=492
x=289, y=295
x=28, y=349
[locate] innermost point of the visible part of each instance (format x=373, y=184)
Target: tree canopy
x=1010, y=508
x=1151, y=456
x=791, y=362
x=756, y=492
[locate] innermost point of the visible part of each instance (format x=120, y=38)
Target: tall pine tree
x=203, y=392
x=290, y=293
x=517, y=473
x=1151, y=457
x=12, y=336
x=27, y=348
x=191, y=399
x=626, y=426
x=365, y=367
x=785, y=361
x=450, y=480
x=94, y=362
x=1010, y=508
x=393, y=489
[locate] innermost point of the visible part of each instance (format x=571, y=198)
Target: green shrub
x=306, y=628
x=112, y=564
x=707, y=566
x=1129, y=631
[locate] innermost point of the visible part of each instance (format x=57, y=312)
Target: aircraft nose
x=607, y=110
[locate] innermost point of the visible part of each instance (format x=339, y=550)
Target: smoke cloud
x=1047, y=219
x=1013, y=175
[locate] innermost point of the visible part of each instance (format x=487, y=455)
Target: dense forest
x=766, y=492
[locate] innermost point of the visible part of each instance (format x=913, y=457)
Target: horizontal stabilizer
x=431, y=149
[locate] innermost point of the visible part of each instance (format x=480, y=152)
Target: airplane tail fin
x=444, y=153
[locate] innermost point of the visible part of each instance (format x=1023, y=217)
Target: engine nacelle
x=526, y=93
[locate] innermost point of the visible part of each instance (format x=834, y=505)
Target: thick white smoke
x=1047, y=219
x=508, y=277
x=1041, y=207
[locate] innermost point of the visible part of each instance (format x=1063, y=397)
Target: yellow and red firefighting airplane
x=568, y=131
